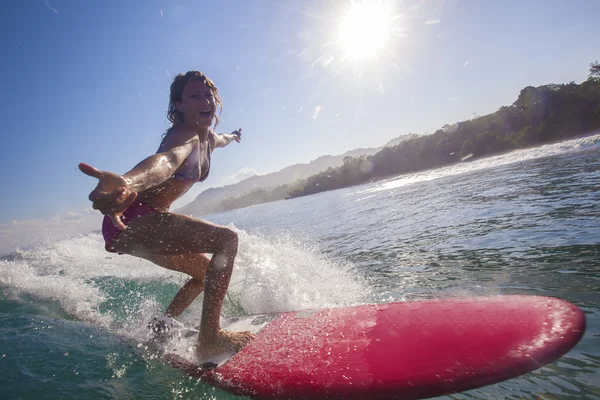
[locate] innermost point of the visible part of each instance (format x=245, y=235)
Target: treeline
x=540, y=115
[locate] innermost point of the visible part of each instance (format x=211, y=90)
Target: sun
x=364, y=30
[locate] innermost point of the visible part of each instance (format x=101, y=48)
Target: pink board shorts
x=110, y=231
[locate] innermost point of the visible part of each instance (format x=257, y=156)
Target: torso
x=194, y=169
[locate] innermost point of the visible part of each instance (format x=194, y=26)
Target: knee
x=229, y=242
x=198, y=280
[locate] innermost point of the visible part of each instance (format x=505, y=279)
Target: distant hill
x=210, y=200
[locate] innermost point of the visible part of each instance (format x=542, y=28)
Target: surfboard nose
x=452, y=345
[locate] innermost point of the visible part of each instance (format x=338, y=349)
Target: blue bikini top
x=191, y=168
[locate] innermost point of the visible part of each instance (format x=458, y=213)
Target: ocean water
x=72, y=316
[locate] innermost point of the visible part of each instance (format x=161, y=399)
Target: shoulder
x=177, y=136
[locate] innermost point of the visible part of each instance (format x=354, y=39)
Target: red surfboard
x=409, y=350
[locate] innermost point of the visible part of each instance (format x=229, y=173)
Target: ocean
x=73, y=317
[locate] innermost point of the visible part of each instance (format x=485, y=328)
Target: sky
x=88, y=81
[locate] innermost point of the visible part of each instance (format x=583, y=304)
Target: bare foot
x=224, y=342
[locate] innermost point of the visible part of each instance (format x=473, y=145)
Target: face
x=197, y=104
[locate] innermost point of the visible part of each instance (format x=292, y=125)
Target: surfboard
x=406, y=350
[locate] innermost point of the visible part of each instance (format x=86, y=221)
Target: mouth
x=205, y=114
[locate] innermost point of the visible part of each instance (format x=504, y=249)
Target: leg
x=164, y=234
x=194, y=265
x=184, y=297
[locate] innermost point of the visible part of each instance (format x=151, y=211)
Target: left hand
x=111, y=196
x=237, y=133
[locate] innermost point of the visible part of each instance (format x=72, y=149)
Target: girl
x=138, y=222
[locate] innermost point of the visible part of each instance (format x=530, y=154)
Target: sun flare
x=364, y=30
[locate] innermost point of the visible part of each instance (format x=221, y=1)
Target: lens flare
x=364, y=30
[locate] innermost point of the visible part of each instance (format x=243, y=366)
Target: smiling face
x=197, y=105
x=194, y=100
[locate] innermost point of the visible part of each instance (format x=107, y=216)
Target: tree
x=594, y=70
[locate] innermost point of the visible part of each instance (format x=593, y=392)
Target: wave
x=121, y=293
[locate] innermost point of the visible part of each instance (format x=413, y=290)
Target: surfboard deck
x=408, y=350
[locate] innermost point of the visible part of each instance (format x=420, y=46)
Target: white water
x=270, y=275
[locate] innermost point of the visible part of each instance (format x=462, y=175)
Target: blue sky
x=88, y=80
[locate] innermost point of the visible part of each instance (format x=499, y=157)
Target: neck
x=202, y=134
x=201, y=131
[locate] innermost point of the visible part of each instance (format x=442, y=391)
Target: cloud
x=432, y=22
x=54, y=10
x=317, y=112
x=22, y=234
x=238, y=176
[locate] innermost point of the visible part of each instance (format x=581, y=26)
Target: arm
x=157, y=168
x=223, y=139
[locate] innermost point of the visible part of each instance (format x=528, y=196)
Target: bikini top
x=191, y=168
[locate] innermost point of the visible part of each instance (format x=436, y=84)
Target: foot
x=224, y=342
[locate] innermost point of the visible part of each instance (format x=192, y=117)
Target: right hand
x=111, y=196
x=238, y=133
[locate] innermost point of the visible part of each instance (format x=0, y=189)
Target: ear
x=179, y=106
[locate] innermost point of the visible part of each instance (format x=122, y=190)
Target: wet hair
x=177, y=87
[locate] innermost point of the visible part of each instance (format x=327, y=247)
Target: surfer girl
x=138, y=222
